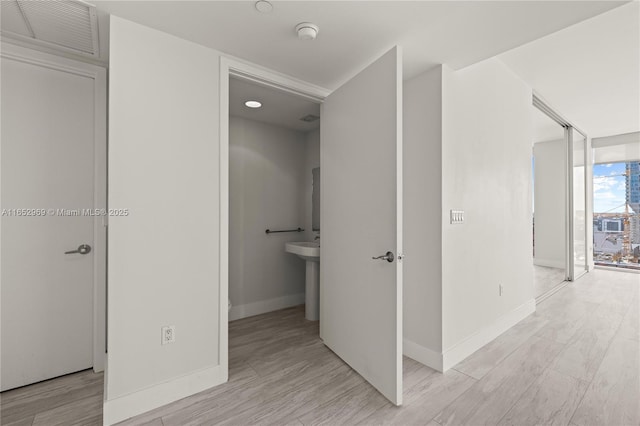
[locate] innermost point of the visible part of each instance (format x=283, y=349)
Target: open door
x=361, y=219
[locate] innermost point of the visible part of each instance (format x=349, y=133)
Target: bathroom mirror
x=315, y=200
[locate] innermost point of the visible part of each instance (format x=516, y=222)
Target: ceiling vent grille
x=70, y=25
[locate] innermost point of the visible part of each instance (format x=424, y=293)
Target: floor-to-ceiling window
x=616, y=214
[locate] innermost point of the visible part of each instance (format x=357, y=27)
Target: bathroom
x=274, y=156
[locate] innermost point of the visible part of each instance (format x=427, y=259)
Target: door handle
x=388, y=257
x=82, y=249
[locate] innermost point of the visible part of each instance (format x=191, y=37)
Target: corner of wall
x=423, y=355
x=461, y=350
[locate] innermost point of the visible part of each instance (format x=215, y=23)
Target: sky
x=608, y=188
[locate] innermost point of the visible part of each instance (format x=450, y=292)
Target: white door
x=47, y=163
x=361, y=212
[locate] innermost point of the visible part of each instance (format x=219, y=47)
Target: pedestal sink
x=310, y=252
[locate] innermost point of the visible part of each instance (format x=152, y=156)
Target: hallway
x=575, y=361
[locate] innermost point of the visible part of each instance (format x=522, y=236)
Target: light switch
x=457, y=216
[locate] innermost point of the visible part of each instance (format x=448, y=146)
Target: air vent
x=65, y=24
x=309, y=118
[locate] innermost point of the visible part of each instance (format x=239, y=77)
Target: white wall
x=550, y=195
x=486, y=163
x=267, y=179
x=422, y=297
x=467, y=147
x=312, y=160
x=163, y=258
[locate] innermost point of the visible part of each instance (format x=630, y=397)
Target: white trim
x=264, y=306
x=223, y=299
x=568, y=212
x=100, y=223
x=550, y=263
x=468, y=346
x=423, y=355
x=251, y=72
x=399, y=225
x=233, y=66
x=99, y=76
x=124, y=407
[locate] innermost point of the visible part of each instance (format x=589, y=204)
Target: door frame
x=574, y=275
x=544, y=107
x=233, y=67
x=99, y=76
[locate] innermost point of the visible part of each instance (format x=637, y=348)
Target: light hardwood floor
x=574, y=362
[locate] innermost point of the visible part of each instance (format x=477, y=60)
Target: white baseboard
x=466, y=347
x=421, y=354
x=99, y=362
x=551, y=263
x=264, y=306
x=121, y=408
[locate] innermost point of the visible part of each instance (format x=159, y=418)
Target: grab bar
x=269, y=231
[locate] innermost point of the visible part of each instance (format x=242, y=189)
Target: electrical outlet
x=168, y=334
x=500, y=289
x=456, y=216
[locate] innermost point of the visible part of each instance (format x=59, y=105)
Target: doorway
x=274, y=161
x=54, y=216
x=361, y=215
x=274, y=155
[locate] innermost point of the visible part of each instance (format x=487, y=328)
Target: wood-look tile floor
x=574, y=362
x=545, y=279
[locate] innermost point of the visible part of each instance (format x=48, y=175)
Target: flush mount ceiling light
x=264, y=6
x=253, y=104
x=307, y=31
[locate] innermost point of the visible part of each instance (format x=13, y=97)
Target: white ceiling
x=590, y=72
x=353, y=33
x=278, y=107
x=544, y=128
x=583, y=57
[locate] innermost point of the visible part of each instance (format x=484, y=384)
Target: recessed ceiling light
x=253, y=104
x=264, y=6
